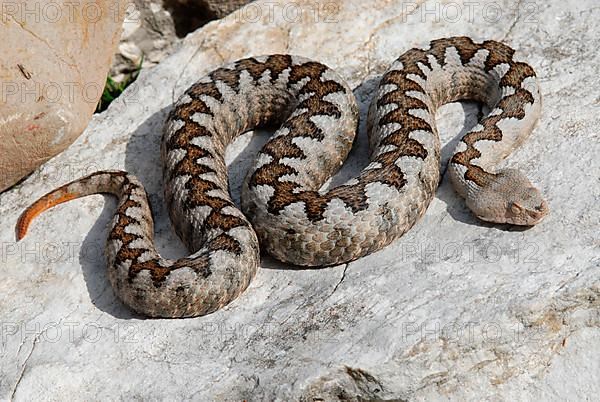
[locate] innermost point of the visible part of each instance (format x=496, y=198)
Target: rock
x=54, y=64
x=454, y=310
x=148, y=37
x=220, y=8
x=212, y=8
x=191, y=14
x=151, y=29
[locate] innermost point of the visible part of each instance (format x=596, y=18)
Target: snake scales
x=316, y=113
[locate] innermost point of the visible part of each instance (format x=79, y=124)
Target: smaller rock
x=148, y=35
x=346, y=384
x=152, y=28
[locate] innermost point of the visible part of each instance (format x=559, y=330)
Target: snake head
x=509, y=198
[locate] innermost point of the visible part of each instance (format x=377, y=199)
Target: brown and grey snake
x=284, y=208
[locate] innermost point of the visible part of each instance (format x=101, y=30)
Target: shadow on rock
x=455, y=204
x=142, y=160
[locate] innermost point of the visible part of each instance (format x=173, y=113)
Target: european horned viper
x=284, y=210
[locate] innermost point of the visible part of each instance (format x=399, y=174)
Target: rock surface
x=151, y=29
x=148, y=37
x=220, y=8
x=55, y=56
x=456, y=309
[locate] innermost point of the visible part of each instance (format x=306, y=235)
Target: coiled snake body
x=295, y=222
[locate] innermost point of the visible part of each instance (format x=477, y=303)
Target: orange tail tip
x=46, y=202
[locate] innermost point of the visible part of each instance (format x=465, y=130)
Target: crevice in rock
x=340, y=281
x=24, y=366
x=515, y=21
x=188, y=16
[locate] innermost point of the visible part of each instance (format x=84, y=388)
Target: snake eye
x=515, y=208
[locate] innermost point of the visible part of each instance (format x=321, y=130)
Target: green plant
x=113, y=89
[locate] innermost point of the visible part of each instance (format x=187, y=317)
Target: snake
x=288, y=211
